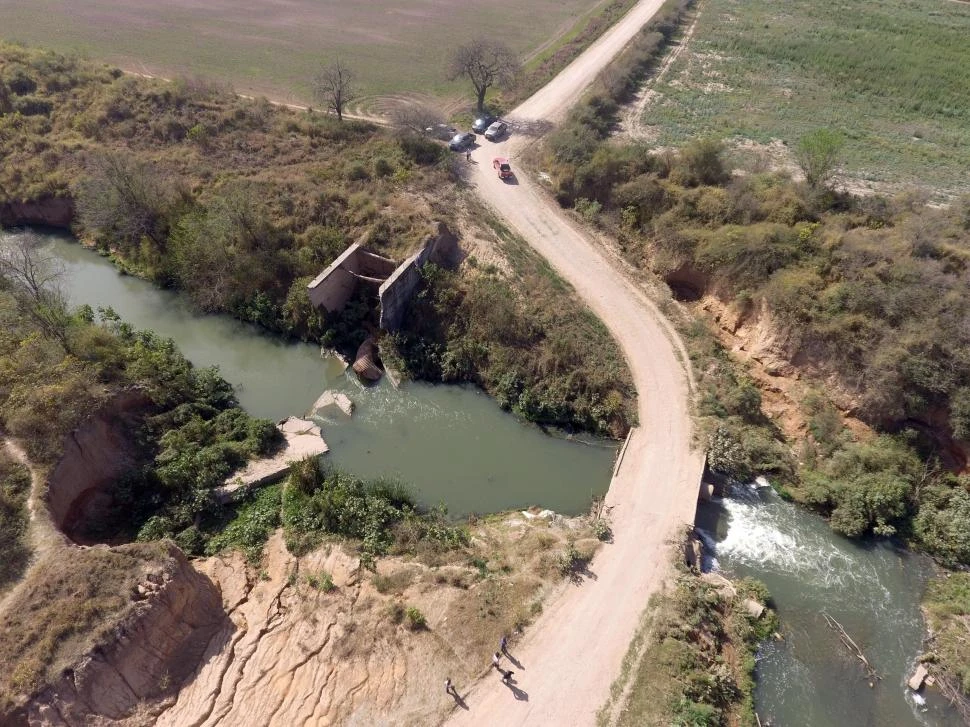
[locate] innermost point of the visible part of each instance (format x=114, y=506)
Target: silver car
x=496, y=130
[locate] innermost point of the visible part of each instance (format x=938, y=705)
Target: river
x=873, y=589
x=452, y=444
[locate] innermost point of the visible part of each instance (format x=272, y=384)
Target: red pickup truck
x=502, y=166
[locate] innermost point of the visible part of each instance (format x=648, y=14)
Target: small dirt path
x=631, y=117
x=572, y=654
x=45, y=539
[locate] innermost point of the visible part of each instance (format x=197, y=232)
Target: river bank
x=453, y=444
x=873, y=589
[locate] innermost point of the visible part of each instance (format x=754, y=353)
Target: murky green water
x=872, y=589
x=454, y=445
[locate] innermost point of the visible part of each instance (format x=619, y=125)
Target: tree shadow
x=581, y=573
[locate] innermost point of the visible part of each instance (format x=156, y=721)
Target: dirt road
x=572, y=654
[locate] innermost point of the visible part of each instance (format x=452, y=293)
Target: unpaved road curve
x=572, y=654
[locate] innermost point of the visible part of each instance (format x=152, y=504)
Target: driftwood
x=952, y=693
x=852, y=647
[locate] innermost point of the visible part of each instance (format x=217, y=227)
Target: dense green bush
x=848, y=285
x=866, y=488
x=198, y=189
x=186, y=435
x=942, y=525
x=544, y=364
x=250, y=526
x=380, y=514
x=683, y=675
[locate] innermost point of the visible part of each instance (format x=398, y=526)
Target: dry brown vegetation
x=71, y=602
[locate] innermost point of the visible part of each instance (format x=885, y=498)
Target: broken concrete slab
x=722, y=585
x=303, y=439
x=919, y=676
x=330, y=399
x=754, y=609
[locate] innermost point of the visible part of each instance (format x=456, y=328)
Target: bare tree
x=416, y=117
x=34, y=278
x=125, y=199
x=485, y=63
x=334, y=85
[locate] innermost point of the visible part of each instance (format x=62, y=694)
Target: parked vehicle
x=496, y=130
x=461, y=141
x=482, y=123
x=502, y=166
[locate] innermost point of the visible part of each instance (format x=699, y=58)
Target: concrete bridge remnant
x=332, y=288
x=395, y=283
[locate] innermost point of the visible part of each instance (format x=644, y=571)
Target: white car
x=496, y=130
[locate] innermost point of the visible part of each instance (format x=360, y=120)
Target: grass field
x=892, y=75
x=274, y=47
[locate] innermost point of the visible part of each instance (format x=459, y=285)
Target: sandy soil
x=573, y=653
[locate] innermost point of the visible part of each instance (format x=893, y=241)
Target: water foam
x=769, y=534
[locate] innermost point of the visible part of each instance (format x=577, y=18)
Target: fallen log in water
x=852, y=647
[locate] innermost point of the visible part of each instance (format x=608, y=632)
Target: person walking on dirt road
x=503, y=645
x=450, y=688
x=496, y=658
x=507, y=676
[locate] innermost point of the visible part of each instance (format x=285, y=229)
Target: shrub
x=368, y=511
x=421, y=150
x=321, y=582
x=866, y=488
x=14, y=491
x=942, y=525
x=383, y=168
x=588, y=209
x=395, y=612
x=414, y=619
x=947, y=606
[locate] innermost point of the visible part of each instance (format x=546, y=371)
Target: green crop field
x=892, y=75
x=274, y=47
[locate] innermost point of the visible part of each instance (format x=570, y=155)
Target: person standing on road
x=503, y=645
x=449, y=687
x=507, y=676
x=496, y=658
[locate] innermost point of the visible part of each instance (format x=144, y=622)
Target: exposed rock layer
x=144, y=657
x=48, y=211
x=96, y=454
